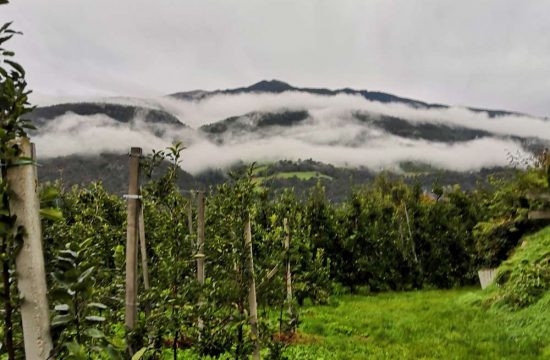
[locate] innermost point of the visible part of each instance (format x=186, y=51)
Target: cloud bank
x=330, y=134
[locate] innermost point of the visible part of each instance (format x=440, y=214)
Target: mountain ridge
x=275, y=86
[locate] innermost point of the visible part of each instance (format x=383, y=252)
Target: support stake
x=252, y=304
x=131, y=239
x=143, y=248
x=29, y=263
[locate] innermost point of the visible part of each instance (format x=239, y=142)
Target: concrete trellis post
x=131, y=238
x=29, y=263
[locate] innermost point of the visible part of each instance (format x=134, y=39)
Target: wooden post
x=288, y=276
x=200, y=248
x=190, y=219
x=29, y=263
x=200, y=238
x=143, y=248
x=252, y=304
x=131, y=237
x=413, y=245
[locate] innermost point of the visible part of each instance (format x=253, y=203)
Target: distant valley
x=345, y=136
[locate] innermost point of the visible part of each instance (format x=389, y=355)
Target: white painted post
x=29, y=263
x=486, y=276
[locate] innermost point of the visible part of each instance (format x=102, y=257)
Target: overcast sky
x=492, y=54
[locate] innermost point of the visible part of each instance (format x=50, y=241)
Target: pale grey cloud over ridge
x=477, y=53
x=331, y=134
x=219, y=107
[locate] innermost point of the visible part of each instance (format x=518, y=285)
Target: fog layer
x=331, y=133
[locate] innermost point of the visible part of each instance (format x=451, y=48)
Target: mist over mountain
x=272, y=121
x=277, y=87
x=122, y=113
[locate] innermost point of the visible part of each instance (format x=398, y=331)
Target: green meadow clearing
x=508, y=320
x=438, y=324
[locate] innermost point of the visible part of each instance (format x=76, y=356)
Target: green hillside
x=524, y=279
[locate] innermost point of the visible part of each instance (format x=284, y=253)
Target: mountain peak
x=275, y=86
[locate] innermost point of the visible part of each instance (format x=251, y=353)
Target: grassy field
x=302, y=175
x=438, y=324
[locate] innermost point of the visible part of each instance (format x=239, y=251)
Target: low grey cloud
x=330, y=134
x=334, y=108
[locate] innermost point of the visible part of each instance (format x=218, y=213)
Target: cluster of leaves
x=85, y=262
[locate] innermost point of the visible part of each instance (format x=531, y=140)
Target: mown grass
x=423, y=325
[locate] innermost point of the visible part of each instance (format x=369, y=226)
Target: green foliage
x=84, y=293
x=505, y=211
x=79, y=323
x=393, y=236
x=524, y=279
x=387, y=235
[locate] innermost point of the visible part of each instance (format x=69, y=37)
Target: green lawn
x=422, y=325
